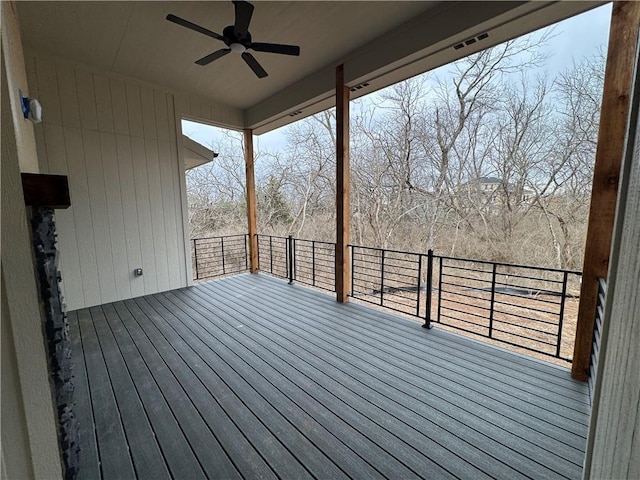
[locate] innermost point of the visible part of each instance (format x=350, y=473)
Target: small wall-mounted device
x=31, y=108
x=137, y=272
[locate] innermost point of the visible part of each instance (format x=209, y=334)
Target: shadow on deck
x=249, y=377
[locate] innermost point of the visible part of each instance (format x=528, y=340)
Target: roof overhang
x=379, y=43
x=195, y=154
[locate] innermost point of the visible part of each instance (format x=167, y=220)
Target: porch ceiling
x=379, y=42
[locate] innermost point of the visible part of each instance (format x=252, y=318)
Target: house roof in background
x=380, y=43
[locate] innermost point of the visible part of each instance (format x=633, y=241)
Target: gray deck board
x=87, y=433
x=250, y=377
x=115, y=459
x=408, y=380
x=231, y=437
x=413, y=460
x=147, y=457
x=203, y=442
x=176, y=449
x=401, y=402
x=482, y=381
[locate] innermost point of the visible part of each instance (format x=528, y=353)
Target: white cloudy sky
x=573, y=39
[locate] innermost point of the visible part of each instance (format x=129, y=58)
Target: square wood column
x=614, y=115
x=252, y=212
x=343, y=213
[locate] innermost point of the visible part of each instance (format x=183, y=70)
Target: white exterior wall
x=116, y=141
x=29, y=441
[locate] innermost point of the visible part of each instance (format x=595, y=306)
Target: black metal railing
x=597, y=334
x=314, y=263
x=519, y=305
x=304, y=261
x=216, y=256
x=273, y=255
x=532, y=308
x=391, y=279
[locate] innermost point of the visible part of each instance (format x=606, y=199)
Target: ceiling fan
x=238, y=39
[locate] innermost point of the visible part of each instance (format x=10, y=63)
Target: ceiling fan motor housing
x=231, y=37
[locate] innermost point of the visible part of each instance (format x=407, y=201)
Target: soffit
x=135, y=40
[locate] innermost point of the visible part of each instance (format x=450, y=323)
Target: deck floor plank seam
x=379, y=389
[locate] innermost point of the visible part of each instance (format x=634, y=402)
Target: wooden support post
x=342, y=190
x=623, y=38
x=252, y=212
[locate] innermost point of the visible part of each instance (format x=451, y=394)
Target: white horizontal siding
x=116, y=141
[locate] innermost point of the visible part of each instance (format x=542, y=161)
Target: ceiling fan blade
x=276, y=48
x=255, y=66
x=244, y=10
x=213, y=56
x=193, y=26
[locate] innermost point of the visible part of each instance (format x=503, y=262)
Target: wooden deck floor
x=250, y=377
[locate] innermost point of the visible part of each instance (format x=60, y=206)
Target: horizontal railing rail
x=530, y=307
x=273, y=255
x=389, y=278
x=314, y=263
x=524, y=306
x=215, y=256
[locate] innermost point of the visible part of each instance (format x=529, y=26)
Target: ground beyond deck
x=248, y=377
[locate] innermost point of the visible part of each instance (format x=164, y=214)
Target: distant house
x=491, y=193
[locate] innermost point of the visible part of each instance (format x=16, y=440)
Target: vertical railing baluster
x=195, y=254
x=493, y=298
x=561, y=315
x=290, y=257
x=313, y=262
x=222, y=249
x=382, y=279
x=246, y=263
x=418, y=285
x=427, y=317
x=271, y=253
x=441, y=266
x=353, y=266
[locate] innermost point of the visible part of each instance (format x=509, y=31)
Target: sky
x=573, y=39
